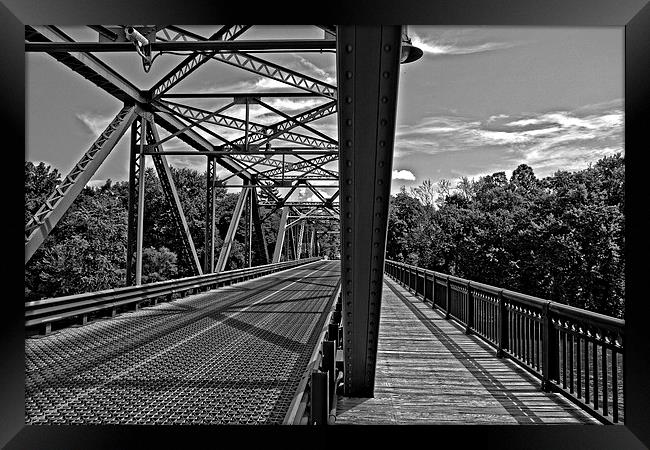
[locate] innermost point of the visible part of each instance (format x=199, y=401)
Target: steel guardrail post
x=329, y=366
x=319, y=398
x=502, y=326
x=470, y=309
x=447, y=297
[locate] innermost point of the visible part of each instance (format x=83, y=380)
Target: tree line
x=561, y=237
x=87, y=250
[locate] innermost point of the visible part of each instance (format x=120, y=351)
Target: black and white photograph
x=325, y=225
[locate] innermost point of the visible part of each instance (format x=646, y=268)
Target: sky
x=480, y=100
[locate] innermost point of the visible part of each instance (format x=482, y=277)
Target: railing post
x=549, y=350
x=333, y=332
x=417, y=279
x=424, y=285
x=433, y=290
x=319, y=398
x=447, y=298
x=502, y=327
x=470, y=309
x=329, y=366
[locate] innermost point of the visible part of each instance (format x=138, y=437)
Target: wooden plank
x=430, y=371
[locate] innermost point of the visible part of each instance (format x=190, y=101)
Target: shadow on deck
x=430, y=372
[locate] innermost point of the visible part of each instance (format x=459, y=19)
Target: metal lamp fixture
x=410, y=52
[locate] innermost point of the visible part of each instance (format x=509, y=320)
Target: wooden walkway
x=430, y=372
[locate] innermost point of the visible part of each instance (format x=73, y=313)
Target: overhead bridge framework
x=293, y=152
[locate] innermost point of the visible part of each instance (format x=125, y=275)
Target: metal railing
x=43, y=313
x=575, y=352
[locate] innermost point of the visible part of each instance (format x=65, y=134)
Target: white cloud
x=93, y=123
x=440, y=45
x=547, y=141
x=403, y=175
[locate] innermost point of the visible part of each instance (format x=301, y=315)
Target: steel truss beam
x=367, y=73
x=268, y=69
x=295, y=151
x=240, y=95
x=301, y=236
x=311, y=243
x=256, y=130
x=255, y=65
x=298, y=123
x=86, y=65
x=173, y=201
x=194, y=61
x=305, y=117
x=134, y=219
x=232, y=229
x=49, y=214
x=218, y=47
x=279, y=241
x=102, y=76
x=208, y=254
x=292, y=167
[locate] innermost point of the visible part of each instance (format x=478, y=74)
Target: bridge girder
x=364, y=100
x=367, y=62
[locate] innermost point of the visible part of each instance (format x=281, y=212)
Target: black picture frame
x=634, y=15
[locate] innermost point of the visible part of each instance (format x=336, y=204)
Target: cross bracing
x=280, y=140
x=242, y=148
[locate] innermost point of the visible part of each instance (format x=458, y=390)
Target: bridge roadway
x=430, y=372
x=233, y=355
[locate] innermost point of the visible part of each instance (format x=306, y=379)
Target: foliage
x=560, y=238
x=87, y=249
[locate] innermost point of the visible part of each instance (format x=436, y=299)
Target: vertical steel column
x=208, y=255
x=260, y=238
x=250, y=225
x=294, y=243
x=311, y=242
x=139, y=237
x=367, y=72
x=279, y=241
x=132, y=219
x=301, y=235
x=232, y=229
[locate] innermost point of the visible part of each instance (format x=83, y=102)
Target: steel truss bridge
x=296, y=339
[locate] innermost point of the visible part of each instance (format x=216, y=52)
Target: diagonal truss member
x=232, y=229
x=173, y=201
x=49, y=214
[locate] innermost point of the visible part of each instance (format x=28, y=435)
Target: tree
x=425, y=193
x=559, y=238
x=40, y=181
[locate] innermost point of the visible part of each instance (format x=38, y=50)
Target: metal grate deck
x=234, y=355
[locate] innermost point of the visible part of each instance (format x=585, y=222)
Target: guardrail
x=44, y=313
x=575, y=352
x=315, y=399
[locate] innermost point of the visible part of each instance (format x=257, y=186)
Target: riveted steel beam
x=208, y=254
x=314, y=163
x=195, y=60
x=230, y=234
x=260, y=238
x=64, y=194
x=367, y=73
x=301, y=236
x=134, y=218
x=86, y=65
x=305, y=117
x=218, y=47
x=256, y=130
x=279, y=241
